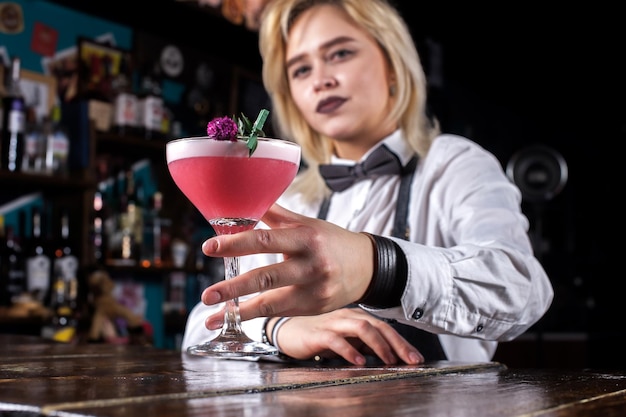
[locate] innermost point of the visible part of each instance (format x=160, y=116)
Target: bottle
x=151, y=110
x=151, y=243
x=112, y=222
x=13, y=122
x=125, y=248
x=98, y=226
x=140, y=209
x=65, y=263
x=131, y=217
x=38, y=260
x=157, y=205
x=125, y=111
x=64, y=291
x=57, y=145
x=34, y=144
x=12, y=267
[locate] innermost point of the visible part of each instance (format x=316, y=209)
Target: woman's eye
x=300, y=71
x=341, y=54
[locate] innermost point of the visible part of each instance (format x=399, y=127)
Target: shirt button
x=417, y=314
x=479, y=328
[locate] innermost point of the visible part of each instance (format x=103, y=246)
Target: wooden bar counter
x=38, y=378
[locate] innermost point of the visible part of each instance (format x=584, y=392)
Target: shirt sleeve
x=473, y=274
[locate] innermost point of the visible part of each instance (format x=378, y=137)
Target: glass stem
x=232, y=320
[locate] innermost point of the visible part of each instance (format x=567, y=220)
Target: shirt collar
x=396, y=144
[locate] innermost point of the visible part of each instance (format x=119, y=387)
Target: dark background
x=512, y=77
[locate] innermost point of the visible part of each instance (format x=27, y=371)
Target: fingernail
x=360, y=360
x=210, y=246
x=391, y=360
x=415, y=358
x=215, y=324
x=212, y=297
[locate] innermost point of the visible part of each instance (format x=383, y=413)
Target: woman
x=440, y=244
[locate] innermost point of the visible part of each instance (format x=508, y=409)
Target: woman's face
x=339, y=80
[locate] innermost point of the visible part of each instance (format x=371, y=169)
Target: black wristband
x=390, y=274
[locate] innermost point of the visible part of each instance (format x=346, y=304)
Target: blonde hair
x=383, y=22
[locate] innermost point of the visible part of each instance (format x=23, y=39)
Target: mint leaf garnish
x=257, y=129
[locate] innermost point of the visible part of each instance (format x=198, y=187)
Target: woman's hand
x=326, y=267
x=348, y=333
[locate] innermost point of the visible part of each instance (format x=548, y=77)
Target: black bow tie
x=380, y=162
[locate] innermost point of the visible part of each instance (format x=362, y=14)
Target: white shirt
x=471, y=270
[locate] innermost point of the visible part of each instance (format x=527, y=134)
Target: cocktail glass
x=232, y=190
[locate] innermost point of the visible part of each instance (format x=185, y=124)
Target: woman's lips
x=330, y=104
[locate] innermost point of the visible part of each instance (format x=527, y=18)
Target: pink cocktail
x=232, y=190
x=229, y=188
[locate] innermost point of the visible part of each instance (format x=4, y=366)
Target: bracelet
x=264, y=338
x=277, y=326
x=390, y=274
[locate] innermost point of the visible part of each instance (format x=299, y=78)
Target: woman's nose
x=324, y=82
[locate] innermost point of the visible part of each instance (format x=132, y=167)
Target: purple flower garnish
x=229, y=128
x=222, y=128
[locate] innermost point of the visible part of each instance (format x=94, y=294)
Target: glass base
x=234, y=346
